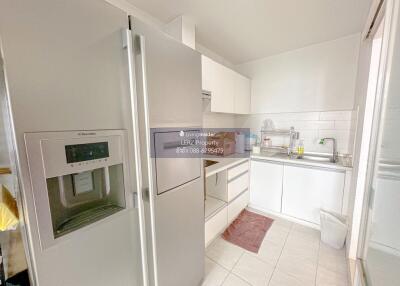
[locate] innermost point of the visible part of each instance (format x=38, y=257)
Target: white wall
x=311, y=125
x=216, y=120
x=320, y=77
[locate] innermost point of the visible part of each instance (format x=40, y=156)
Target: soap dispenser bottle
x=300, y=149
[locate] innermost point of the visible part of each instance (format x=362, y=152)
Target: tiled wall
x=311, y=125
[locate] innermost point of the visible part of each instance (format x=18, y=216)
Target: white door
x=307, y=190
x=381, y=249
x=266, y=185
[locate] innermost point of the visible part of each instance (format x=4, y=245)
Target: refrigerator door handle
x=138, y=195
x=136, y=47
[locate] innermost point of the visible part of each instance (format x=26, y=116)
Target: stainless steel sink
x=317, y=157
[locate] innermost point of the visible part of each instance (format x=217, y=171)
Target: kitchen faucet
x=334, y=158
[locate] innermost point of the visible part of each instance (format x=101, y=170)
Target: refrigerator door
x=67, y=69
x=173, y=76
x=168, y=77
x=173, y=172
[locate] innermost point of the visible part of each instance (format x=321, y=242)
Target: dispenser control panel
x=85, y=152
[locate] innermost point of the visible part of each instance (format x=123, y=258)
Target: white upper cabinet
x=242, y=94
x=230, y=91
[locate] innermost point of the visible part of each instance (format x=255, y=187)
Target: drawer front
x=215, y=225
x=237, y=186
x=237, y=170
x=236, y=206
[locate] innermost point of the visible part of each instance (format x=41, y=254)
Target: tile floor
x=290, y=255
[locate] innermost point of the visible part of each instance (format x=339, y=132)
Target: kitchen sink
x=319, y=158
x=208, y=163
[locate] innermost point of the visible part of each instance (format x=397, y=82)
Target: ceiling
x=245, y=30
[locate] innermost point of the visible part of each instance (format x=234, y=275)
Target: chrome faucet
x=334, y=158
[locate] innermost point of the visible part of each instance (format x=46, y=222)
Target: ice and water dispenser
x=78, y=178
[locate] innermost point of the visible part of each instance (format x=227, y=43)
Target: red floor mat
x=248, y=230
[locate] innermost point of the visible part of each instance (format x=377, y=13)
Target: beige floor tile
x=332, y=259
x=214, y=273
x=269, y=252
x=302, y=253
x=327, y=277
x=233, y=280
x=224, y=253
x=303, y=240
x=282, y=279
x=253, y=270
x=302, y=268
x=277, y=235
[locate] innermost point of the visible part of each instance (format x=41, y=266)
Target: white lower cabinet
x=235, y=207
x=266, y=185
x=215, y=225
x=237, y=186
x=306, y=190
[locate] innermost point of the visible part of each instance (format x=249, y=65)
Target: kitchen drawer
x=237, y=186
x=237, y=170
x=215, y=225
x=236, y=206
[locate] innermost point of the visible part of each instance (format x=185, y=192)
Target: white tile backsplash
x=312, y=127
x=335, y=115
x=343, y=124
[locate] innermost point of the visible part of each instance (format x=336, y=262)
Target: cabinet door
x=307, y=190
x=220, y=81
x=242, y=94
x=208, y=73
x=266, y=185
x=223, y=95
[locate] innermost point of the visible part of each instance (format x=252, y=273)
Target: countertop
x=283, y=158
x=224, y=163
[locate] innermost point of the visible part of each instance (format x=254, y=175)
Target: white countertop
x=223, y=164
x=279, y=157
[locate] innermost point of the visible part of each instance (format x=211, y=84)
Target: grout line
x=316, y=272
x=280, y=255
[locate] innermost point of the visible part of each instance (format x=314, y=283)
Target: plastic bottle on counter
x=300, y=149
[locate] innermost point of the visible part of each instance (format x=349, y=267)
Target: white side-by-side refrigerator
x=93, y=96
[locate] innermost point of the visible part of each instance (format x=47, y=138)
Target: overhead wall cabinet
x=230, y=91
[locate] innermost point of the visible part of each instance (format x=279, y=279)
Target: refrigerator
x=85, y=86
x=168, y=89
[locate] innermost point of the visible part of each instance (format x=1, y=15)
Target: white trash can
x=333, y=229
